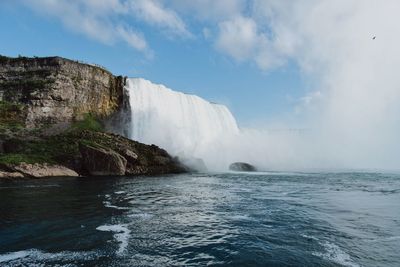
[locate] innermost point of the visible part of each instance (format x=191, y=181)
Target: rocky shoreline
x=53, y=113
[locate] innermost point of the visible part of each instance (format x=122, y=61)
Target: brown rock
x=100, y=161
x=4, y=174
x=52, y=90
x=38, y=170
x=130, y=155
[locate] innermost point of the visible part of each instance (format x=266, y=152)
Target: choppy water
x=281, y=219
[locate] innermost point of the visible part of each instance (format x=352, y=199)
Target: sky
x=199, y=47
x=328, y=66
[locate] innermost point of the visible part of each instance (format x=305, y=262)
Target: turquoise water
x=268, y=219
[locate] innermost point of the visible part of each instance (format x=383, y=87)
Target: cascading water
x=185, y=125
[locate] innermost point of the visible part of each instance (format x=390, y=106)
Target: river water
x=224, y=219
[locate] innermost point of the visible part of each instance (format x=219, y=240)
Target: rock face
x=84, y=153
x=44, y=91
x=43, y=170
x=140, y=159
x=242, y=167
x=52, y=117
x=5, y=174
x=100, y=161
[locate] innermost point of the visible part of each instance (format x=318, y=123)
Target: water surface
x=269, y=219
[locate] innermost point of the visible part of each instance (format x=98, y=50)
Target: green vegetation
x=53, y=149
x=18, y=158
x=8, y=106
x=60, y=148
x=89, y=122
x=11, y=116
x=11, y=126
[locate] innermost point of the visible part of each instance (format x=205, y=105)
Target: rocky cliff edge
x=52, y=116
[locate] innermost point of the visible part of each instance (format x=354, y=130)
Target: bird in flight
x=373, y=38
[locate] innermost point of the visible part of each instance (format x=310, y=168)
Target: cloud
x=93, y=19
x=353, y=108
x=154, y=13
x=206, y=33
x=134, y=39
x=241, y=39
x=238, y=38
x=209, y=10
x=357, y=119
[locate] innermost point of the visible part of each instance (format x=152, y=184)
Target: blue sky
x=194, y=58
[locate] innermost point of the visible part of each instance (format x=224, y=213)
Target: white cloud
x=134, y=39
x=331, y=40
x=356, y=85
x=154, y=13
x=240, y=38
x=206, y=33
x=92, y=18
x=213, y=10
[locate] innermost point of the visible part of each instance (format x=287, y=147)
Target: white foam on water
x=309, y=237
x=119, y=192
x=108, y=204
x=335, y=254
x=122, y=234
x=14, y=255
x=37, y=257
x=144, y=216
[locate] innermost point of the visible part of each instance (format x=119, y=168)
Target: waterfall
x=185, y=125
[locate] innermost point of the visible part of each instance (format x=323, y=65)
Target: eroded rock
x=100, y=161
x=4, y=174
x=38, y=170
x=51, y=90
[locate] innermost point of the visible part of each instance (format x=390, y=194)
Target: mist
x=350, y=49
x=350, y=119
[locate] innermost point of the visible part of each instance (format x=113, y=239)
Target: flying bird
x=373, y=38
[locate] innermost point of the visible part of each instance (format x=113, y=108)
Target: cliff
x=52, y=116
x=40, y=92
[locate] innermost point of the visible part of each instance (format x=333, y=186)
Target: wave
x=143, y=216
x=122, y=234
x=37, y=257
x=335, y=254
x=108, y=204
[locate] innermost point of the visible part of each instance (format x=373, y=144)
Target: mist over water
x=352, y=109
x=188, y=126
x=350, y=113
